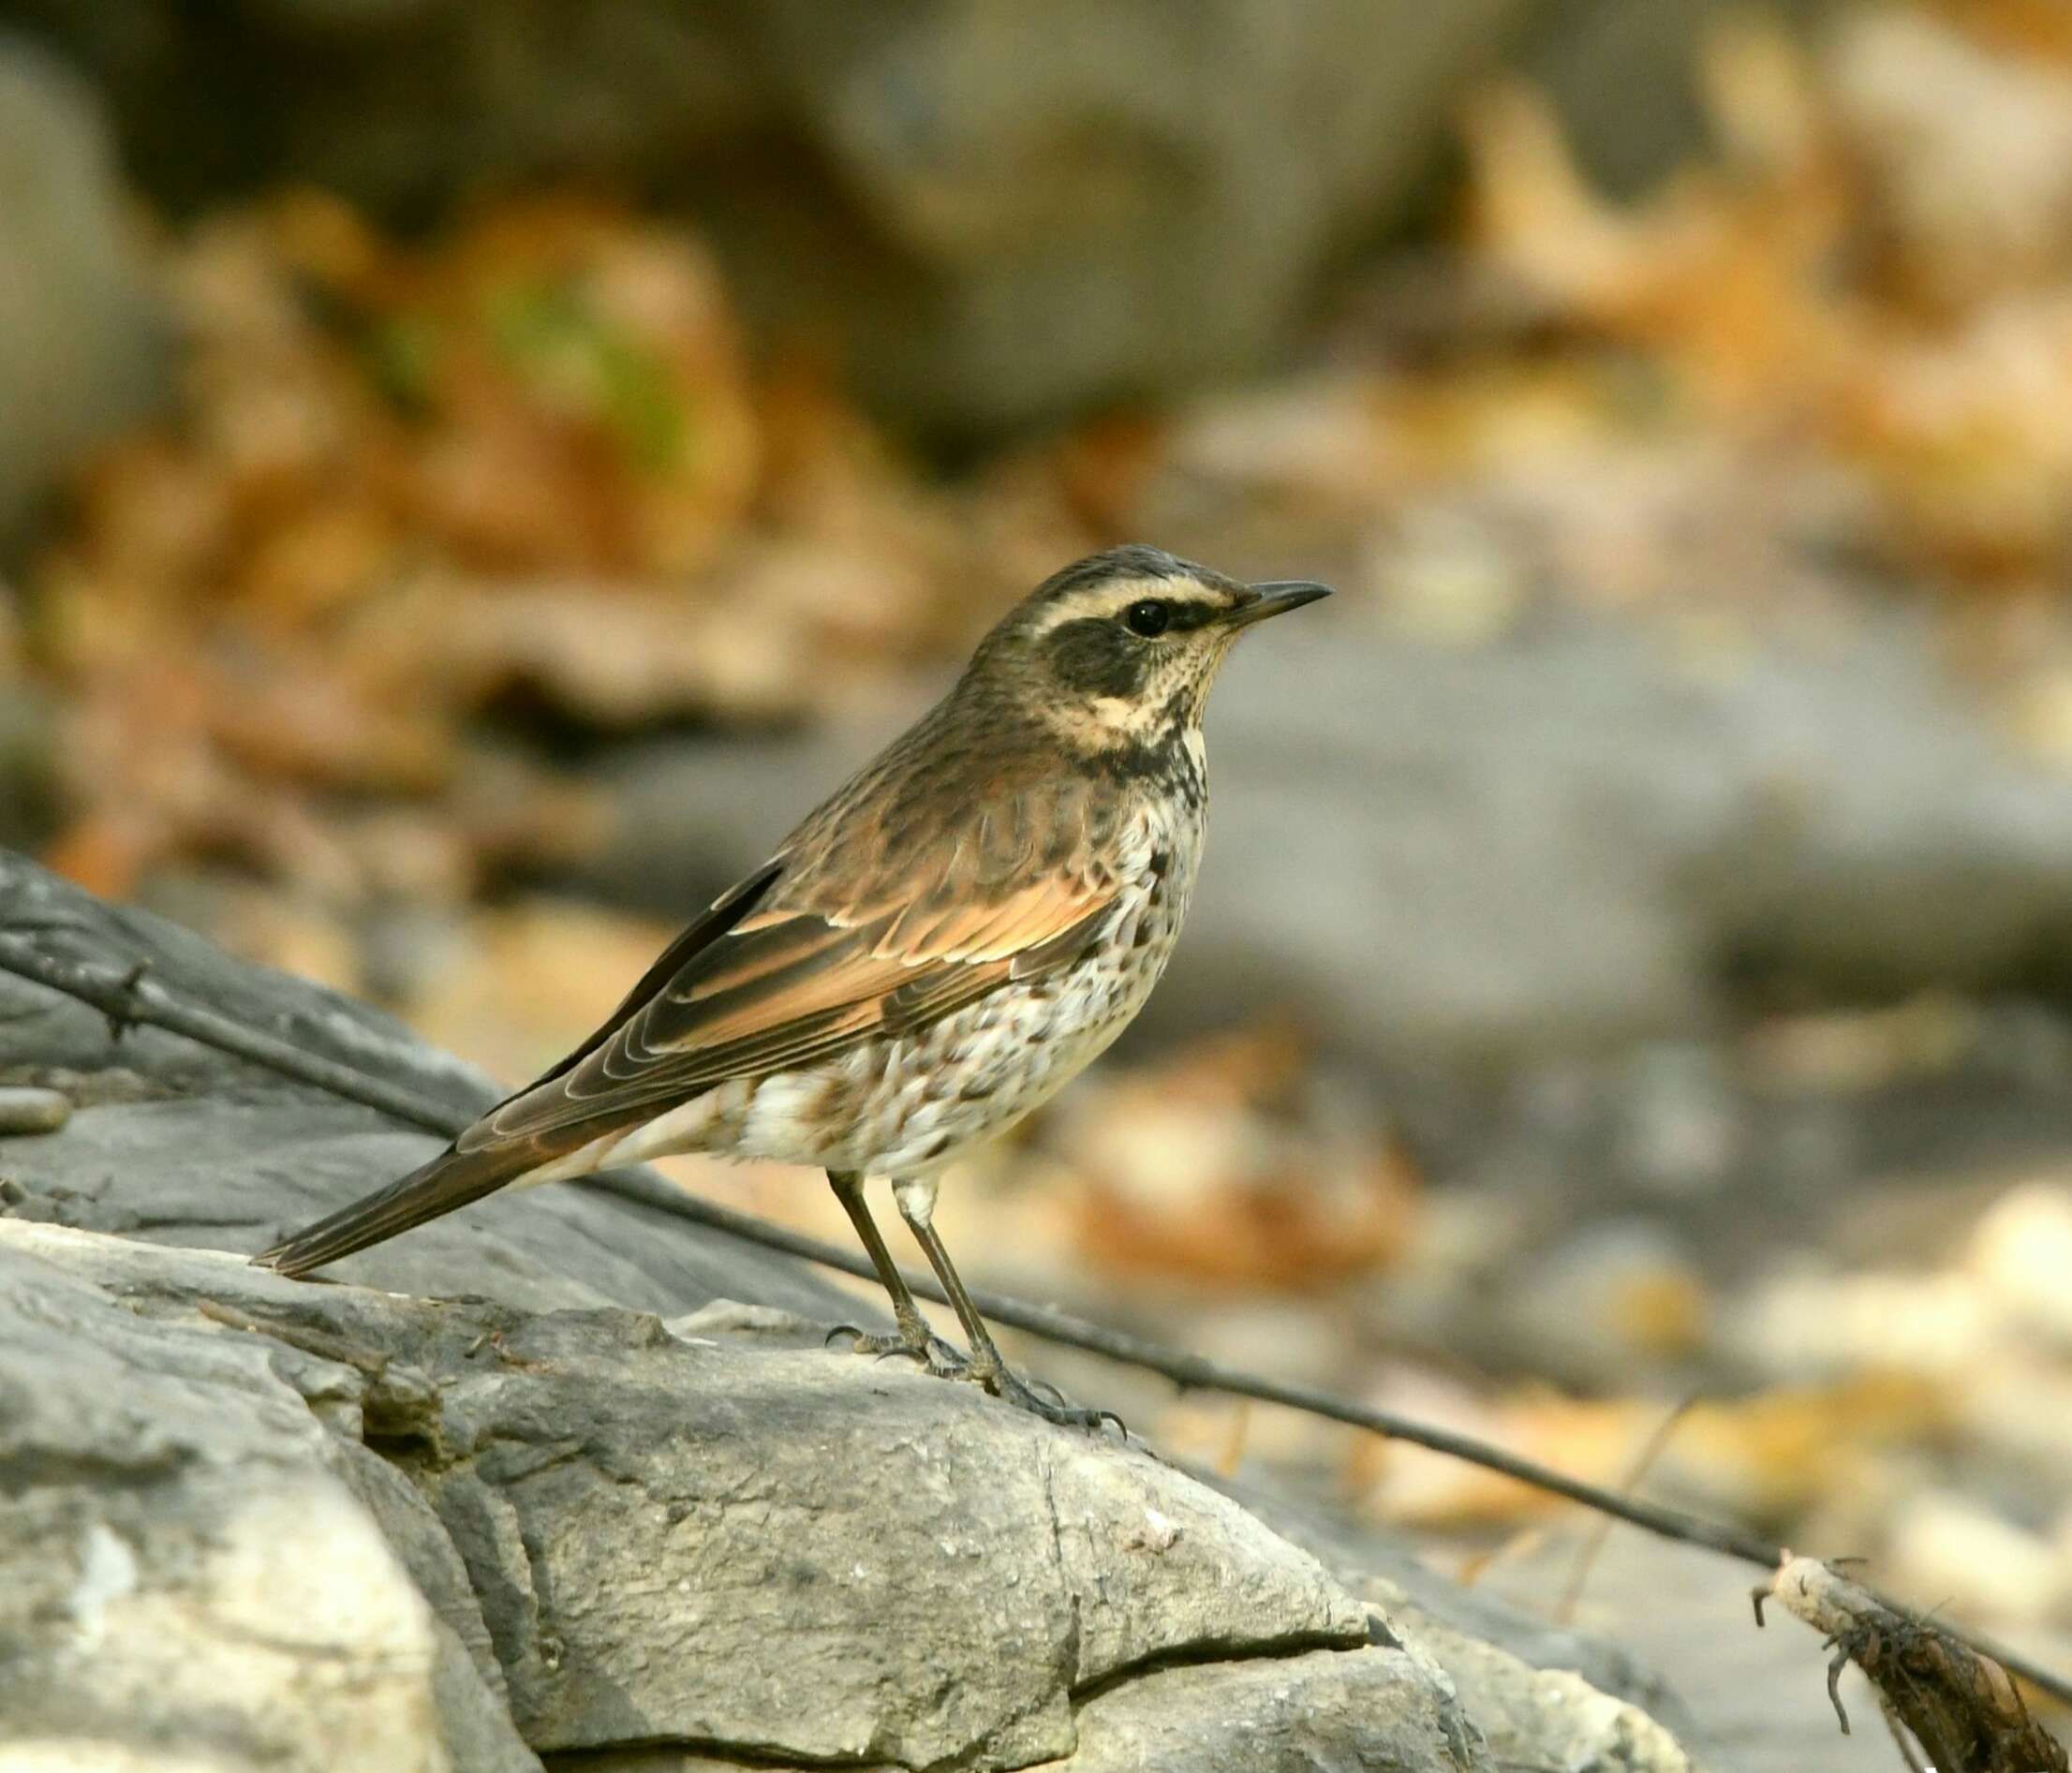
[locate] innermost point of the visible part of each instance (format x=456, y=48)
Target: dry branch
x=1957, y=1703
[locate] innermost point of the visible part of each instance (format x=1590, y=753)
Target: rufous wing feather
x=789, y=988
x=756, y=986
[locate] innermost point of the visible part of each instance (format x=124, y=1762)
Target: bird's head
x=1120, y=649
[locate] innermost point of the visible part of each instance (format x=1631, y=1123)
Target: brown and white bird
x=935, y=950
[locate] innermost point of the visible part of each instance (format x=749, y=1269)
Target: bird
x=934, y=951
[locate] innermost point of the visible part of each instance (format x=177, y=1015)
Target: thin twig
x=1593, y=1541
x=130, y=998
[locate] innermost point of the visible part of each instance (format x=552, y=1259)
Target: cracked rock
x=179, y=1567
x=795, y=1553
x=246, y=1521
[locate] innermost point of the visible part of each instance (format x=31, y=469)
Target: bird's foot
x=939, y=1358
x=927, y=1350
x=1011, y=1388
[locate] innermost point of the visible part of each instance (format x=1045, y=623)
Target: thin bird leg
x=916, y=1206
x=914, y=1337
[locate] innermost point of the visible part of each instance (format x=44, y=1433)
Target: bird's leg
x=916, y=1198
x=914, y=1337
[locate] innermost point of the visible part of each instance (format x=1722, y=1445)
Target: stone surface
x=33, y=1111
x=1539, y=1693
x=1371, y=1711
x=463, y=1531
x=1008, y=212
x=80, y=339
x=182, y=1570
x=793, y=1553
x=1090, y=200
x=1377, y=1708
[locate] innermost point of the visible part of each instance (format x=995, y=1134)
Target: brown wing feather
x=880, y=916
x=786, y=989
x=727, y=912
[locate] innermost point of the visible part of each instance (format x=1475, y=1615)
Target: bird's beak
x=1275, y=597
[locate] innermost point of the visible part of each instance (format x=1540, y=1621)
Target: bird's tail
x=451, y=1179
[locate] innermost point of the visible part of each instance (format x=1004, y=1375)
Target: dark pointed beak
x=1275, y=597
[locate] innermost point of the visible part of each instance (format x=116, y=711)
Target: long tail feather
x=449, y=1180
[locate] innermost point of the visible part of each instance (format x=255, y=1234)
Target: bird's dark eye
x=1148, y=618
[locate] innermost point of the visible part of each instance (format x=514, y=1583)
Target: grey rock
x=243, y=1174
x=1009, y=212
x=33, y=1111
x=484, y=1527
x=1456, y=1624
x=797, y=1557
x=45, y=1031
x=1375, y=1709
x=82, y=341
x=1536, y=1712
x=1568, y=841
x=180, y=1572
x=779, y=1554
x=1540, y=1695
x=934, y=1576
x=673, y=1760
x=1090, y=200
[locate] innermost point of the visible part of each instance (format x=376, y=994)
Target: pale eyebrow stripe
x=1113, y=599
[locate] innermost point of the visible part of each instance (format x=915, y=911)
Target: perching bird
x=938, y=949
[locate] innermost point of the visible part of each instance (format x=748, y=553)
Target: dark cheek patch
x=1092, y=656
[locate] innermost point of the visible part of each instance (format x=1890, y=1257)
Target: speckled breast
x=905, y=1107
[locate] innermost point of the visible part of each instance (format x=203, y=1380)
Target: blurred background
x=473, y=471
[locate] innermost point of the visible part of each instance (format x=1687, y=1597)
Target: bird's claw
x=930, y=1352
x=1009, y=1387
x=935, y=1356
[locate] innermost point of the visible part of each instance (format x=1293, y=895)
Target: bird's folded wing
x=788, y=987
